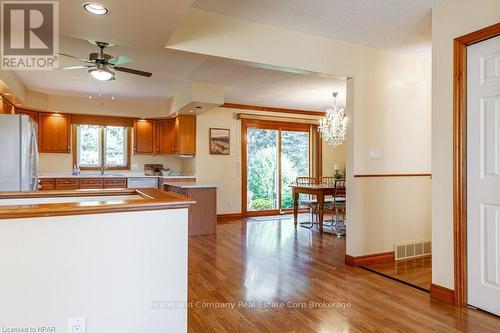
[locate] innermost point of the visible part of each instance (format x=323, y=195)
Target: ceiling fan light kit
x=102, y=74
x=100, y=64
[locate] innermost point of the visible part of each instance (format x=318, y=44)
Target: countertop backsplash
x=63, y=163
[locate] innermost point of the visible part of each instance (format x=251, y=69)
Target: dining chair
x=310, y=203
x=337, y=207
x=329, y=181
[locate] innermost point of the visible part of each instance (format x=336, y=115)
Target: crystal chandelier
x=333, y=126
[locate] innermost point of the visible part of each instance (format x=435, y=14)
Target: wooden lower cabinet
x=81, y=183
x=202, y=214
x=46, y=184
x=91, y=183
x=115, y=182
x=67, y=183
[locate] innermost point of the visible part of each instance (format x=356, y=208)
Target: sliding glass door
x=294, y=162
x=262, y=169
x=274, y=154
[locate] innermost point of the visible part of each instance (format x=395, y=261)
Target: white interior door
x=483, y=175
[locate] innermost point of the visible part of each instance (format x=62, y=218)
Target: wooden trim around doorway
x=460, y=155
x=272, y=109
x=262, y=124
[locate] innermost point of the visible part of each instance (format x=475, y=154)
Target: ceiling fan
x=100, y=64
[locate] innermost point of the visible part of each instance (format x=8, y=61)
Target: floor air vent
x=412, y=249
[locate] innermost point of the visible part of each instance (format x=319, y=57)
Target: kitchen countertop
x=191, y=185
x=107, y=175
x=151, y=199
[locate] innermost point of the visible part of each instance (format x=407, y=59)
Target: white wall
x=109, y=268
x=146, y=107
x=331, y=156
x=451, y=19
x=390, y=110
x=226, y=170
x=222, y=170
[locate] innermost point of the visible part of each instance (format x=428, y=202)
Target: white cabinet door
x=483, y=175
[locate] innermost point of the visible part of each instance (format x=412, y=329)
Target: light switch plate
x=374, y=153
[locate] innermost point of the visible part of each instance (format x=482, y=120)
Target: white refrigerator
x=19, y=153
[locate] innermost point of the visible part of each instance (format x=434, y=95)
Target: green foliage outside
x=89, y=145
x=89, y=139
x=115, y=145
x=263, y=163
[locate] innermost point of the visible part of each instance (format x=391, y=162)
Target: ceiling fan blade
x=71, y=56
x=76, y=67
x=133, y=71
x=121, y=60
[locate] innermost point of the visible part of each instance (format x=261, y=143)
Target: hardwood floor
x=235, y=276
x=417, y=272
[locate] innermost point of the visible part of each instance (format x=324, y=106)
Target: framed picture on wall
x=219, y=141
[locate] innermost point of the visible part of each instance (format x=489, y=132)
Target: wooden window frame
x=460, y=155
x=75, y=149
x=271, y=125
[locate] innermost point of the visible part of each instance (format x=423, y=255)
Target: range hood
x=184, y=156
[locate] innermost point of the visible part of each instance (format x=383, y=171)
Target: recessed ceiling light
x=7, y=94
x=191, y=111
x=95, y=8
x=90, y=96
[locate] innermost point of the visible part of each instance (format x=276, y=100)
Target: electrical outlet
x=76, y=325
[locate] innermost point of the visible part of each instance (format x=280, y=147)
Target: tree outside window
x=102, y=146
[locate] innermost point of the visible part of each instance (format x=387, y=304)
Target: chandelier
x=333, y=126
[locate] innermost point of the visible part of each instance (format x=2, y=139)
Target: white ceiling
x=133, y=23
x=244, y=83
x=402, y=25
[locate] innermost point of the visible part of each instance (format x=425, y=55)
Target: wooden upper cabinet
x=165, y=139
x=166, y=136
x=144, y=137
x=54, y=131
x=32, y=114
x=185, y=134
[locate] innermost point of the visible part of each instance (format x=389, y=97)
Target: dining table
x=317, y=190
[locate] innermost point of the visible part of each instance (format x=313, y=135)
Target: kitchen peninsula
x=124, y=249
x=203, y=213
